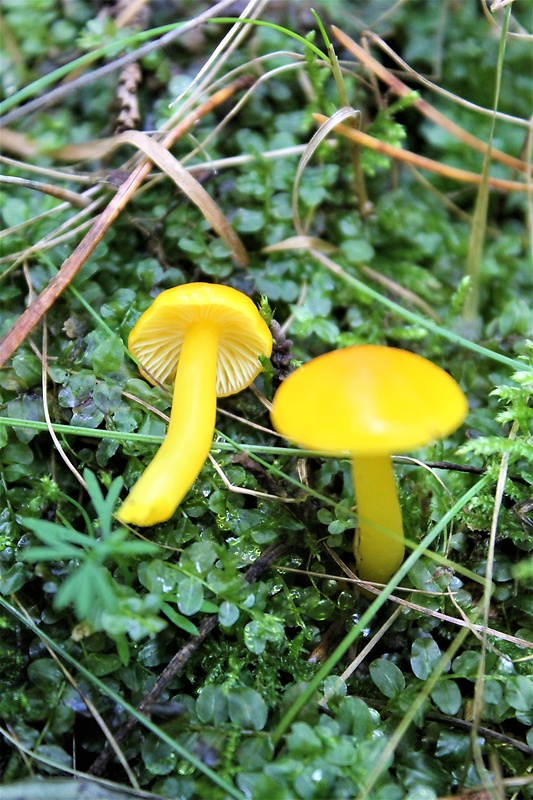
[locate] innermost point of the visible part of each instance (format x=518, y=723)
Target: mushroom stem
x=177, y=463
x=378, y=554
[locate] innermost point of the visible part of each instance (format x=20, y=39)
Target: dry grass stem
x=249, y=492
x=33, y=314
x=362, y=655
x=72, y=198
x=398, y=153
x=401, y=89
x=46, y=411
x=90, y=706
x=375, y=588
x=52, y=96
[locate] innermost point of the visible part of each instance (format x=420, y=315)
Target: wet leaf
x=387, y=676
x=190, y=596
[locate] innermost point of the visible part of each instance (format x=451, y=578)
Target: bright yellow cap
x=243, y=335
x=368, y=400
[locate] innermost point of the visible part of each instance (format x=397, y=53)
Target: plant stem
x=366, y=618
x=479, y=223
x=166, y=481
x=377, y=552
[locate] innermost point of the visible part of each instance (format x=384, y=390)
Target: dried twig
x=401, y=89
x=59, y=92
x=423, y=162
x=66, y=195
x=29, y=319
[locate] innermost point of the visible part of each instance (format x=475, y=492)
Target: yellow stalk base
x=378, y=555
x=177, y=463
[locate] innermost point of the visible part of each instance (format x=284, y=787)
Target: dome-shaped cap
x=243, y=336
x=368, y=400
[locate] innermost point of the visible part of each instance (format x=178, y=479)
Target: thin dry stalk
x=46, y=410
x=401, y=89
x=62, y=175
x=423, y=162
x=303, y=242
x=90, y=705
x=73, y=198
x=362, y=655
x=34, y=313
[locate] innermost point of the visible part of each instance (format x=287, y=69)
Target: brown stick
x=69, y=269
x=401, y=89
x=421, y=161
x=178, y=662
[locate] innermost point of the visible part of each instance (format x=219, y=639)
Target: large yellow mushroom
x=206, y=339
x=367, y=402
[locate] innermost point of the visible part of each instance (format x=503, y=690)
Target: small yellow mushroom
x=207, y=339
x=367, y=402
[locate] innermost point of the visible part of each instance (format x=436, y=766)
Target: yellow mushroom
x=207, y=339
x=367, y=402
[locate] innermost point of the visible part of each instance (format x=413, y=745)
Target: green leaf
x=179, y=620
x=356, y=718
x=17, y=453
x=466, y=665
x=190, y=596
x=28, y=367
x=260, y=631
x=453, y=746
x=95, y=493
x=387, y=676
x=116, y=546
x=425, y=654
x=519, y=692
x=247, y=708
x=103, y=506
x=90, y=589
x=208, y=607
x=302, y=741
x=102, y=664
x=59, y=553
x=54, y=753
x=447, y=697
x=420, y=769
x=44, y=672
x=107, y=396
x=357, y=251
x=228, y=613
x=157, y=756
x=199, y=557
x=421, y=793
x=53, y=534
x=108, y=356
x=157, y=576
x=13, y=579
x=249, y=221
x=343, y=754
x=212, y=705
x=315, y=780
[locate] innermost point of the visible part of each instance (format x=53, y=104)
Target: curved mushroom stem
x=378, y=554
x=177, y=463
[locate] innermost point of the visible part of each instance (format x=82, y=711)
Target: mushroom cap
x=157, y=338
x=368, y=400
